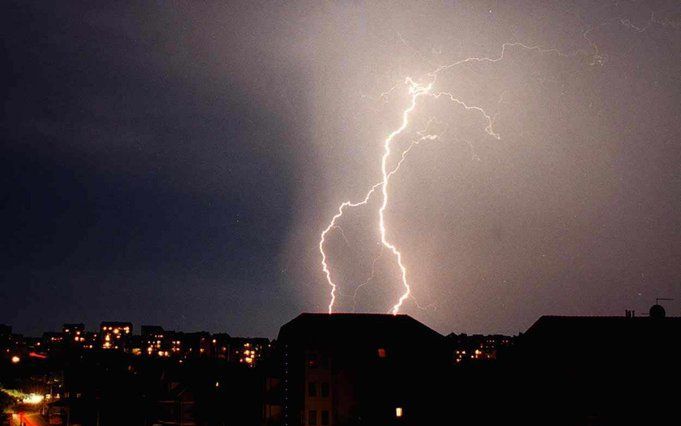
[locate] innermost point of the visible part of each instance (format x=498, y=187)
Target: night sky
x=173, y=163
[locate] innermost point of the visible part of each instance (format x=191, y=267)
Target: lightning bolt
x=325, y=232
x=417, y=91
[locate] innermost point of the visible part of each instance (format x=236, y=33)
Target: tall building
x=221, y=345
x=155, y=341
x=248, y=351
x=53, y=341
x=74, y=334
x=345, y=369
x=115, y=335
x=196, y=344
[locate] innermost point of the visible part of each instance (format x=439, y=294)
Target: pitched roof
x=354, y=327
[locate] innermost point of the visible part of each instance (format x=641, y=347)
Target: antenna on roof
x=657, y=311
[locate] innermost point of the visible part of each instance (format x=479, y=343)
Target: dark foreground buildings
x=348, y=369
x=600, y=370
x=355, y=369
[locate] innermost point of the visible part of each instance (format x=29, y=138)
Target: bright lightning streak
x=416, y=91
x=423, y=137
x=322, y=240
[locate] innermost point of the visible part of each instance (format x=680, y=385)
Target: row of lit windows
x=117, y=330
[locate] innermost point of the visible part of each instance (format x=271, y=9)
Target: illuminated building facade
x=344, y=369
x=221, y=344
x=91, y=340
x=248, y=351
x=115, y=335
x=198, y=344
x=53, y=341
x=74, y=334
x=478, y=347
x=156, y=341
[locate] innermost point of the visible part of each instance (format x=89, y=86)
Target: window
x=312, y=360
x=312, y=418
x=382, y=353
x=399, y=412
x=312, y=389
x=325, y=418
x=325, y=389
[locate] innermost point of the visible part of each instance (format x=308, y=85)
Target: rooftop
x=347, y=326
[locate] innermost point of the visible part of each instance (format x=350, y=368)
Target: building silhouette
x=115, y=335
x=350, y=369
x=601, y=370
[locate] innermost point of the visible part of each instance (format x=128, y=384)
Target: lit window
x=382, y=353
x=399, y=412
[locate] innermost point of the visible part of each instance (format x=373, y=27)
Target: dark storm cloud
x=141, y=163
x=174, y=162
